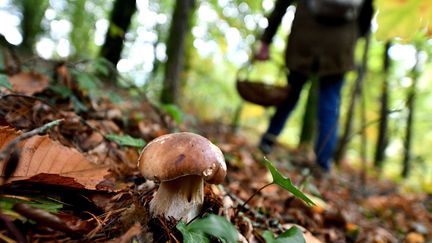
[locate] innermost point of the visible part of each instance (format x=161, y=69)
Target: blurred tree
x=32, y=14
x=121, y=16
x=384, y=112
x=308, y=130
x=355, y=95
x=180, y=26
x=410, y=103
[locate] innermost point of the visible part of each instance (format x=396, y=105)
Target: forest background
x=186, y=56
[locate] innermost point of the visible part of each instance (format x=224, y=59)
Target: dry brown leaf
x=18, y=110
x=64, y=76
x=47, y=161
x=414, y=237
x=28, y=83
x=134, y=231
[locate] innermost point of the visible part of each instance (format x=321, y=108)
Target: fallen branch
x=8, y=148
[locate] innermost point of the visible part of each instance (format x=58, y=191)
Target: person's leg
x=296, y=81
x=328, y=116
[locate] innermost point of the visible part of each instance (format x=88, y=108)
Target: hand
x=263, y=53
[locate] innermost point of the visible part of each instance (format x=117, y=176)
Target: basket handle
x=249, y=64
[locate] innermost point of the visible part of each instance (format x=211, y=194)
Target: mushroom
x=181, y=162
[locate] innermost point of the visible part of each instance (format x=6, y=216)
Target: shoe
x=266, y=144
x=265, y=148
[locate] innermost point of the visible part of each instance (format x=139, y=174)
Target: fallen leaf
x=414, y=237
x=308, y=236
x=134, y=231
x=47, y=161
x=18, y=110
x=64, y=76
x=29, y=83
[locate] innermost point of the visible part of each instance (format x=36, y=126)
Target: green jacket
x=315, y=47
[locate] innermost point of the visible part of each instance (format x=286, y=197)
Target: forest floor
x=73, y=180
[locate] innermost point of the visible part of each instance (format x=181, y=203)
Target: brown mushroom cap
x=180, y=154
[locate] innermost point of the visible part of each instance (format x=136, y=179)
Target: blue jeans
x=328, y=114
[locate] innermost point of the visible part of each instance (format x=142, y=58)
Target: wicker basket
x=260, y=92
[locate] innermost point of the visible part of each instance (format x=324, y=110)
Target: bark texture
x=121, y=16
x=175, y=50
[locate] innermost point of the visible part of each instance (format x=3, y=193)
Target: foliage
x=292, y=235
x=174, y=111
x=87, y=77
x=126, y=140
x=102, y=66
x=83, y=15
x=61, y=90
x=4, y=82
x=7, y=202
x=212, y=225
x=400, y=18
x=286, y=183
x=33, y=13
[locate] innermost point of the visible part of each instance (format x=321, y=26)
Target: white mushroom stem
x=181, y=198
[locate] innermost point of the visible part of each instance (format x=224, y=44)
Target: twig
x=246, y=202
x=258, y=215
x=4, y=153
x=240, y=201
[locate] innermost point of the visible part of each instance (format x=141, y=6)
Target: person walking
x=321, y=46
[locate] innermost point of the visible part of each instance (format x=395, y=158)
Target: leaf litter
x=87, y=164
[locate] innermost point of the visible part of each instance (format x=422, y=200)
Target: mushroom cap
x=180, y=154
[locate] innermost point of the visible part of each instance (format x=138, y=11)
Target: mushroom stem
x=181, y=198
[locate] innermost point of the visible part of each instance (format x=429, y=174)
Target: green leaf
x=403, y=19
x=286, y=183
x=213, y=225
x=101, y=65
x=174, y=112
x=126, y=140
x=77, y=104
x=292, y=235
x=269, y=237
x=61, y=90
x=191, y=236
x=4, y=82
x=115, y=98
x=86, y=81
x=6, y=203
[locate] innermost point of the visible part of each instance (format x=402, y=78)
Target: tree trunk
x=33, y=12
x=309, y=128
x=356, y=91
x=363, y=143
x=121, y=16
x=410, y=120
x=176, y=50
x=382, y=132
